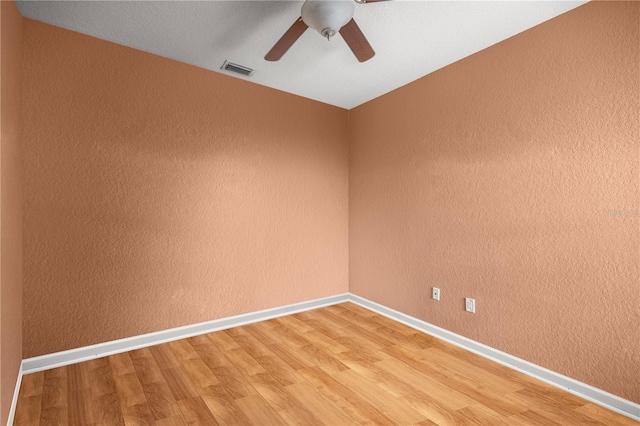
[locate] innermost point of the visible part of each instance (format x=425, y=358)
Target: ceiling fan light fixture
x=327, y=16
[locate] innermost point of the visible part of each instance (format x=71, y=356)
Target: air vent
x=238, y=69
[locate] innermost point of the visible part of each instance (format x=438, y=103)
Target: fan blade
x=287, y=40
x=356, y=41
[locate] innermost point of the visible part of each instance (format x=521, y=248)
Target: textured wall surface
x=159, y=194
x=512, y=177
x=11, y=203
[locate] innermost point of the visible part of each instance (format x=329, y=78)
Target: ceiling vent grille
x=238, y=69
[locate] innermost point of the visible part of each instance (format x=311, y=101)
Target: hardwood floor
x=338, y=365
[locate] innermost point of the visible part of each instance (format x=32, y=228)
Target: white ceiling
x=410, y=38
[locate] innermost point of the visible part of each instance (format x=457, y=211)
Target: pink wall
x=512, y=177
x=10, y=203
x=158, y=194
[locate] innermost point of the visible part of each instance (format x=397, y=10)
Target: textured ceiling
x=411, y=38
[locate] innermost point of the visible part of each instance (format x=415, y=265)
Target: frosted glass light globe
x=327, y=16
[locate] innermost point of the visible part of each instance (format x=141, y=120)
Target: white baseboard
x=72, y=356
x=14, y=401
x=583, y=390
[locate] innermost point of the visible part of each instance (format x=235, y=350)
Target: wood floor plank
x=290, y=356
x=140, y=353
x=164, y=356
x=199, y=373
x=138, y=415
x=478, y=415
x=286, y=404
x=54, y=392
x=319, y=324
x=129, y=390
x=338, y=365
x=365, y=351
x=434, y=342
x=31, y=384
x=278, y=369
x=473, y=389
x=56, y=372
x=292, y=323
x=394, y=325
x=107, y=410
x=250, y=345
x=258, y=411
x=172, y=421
x=272, y=391
x=313, y=355
x=80, y=410
x=531, y=417
x=288, y=336
x=102, y=381
x=349, y=401
x=318, y=404
x=260, y=333
x=266, y=329
x=56, y=416
x=357, y=309
x=335, y=318
x=78, y=377
x=162, y=405
x=244, y=362
x=354, y=318
x=196, y=412
x=450, y=378
x=208, y=352
x=223, y=406
x=296, y=417
x=555, y=409
x=28, y=411
x=147, y=369
x=450, y=398
x=180, y=384
x=368, y=319
x=233, y=382
x=371, y=336
x=182, y=350
x=323, y=342
x=482, y=395
x=409, y=341
x=224, y=339
x=121, y=364
x=381, y=376
x=298, y=414
x=426, y=423
x=399, y=413
x=490, y=380
x=433, y=411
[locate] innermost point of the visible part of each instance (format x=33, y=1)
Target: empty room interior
x=320, y=212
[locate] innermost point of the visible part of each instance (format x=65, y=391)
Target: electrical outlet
x=470, y=305
x=435, y=293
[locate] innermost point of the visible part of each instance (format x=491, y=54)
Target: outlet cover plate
x=470, y=305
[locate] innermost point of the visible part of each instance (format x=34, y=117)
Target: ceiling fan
x=327, y=17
